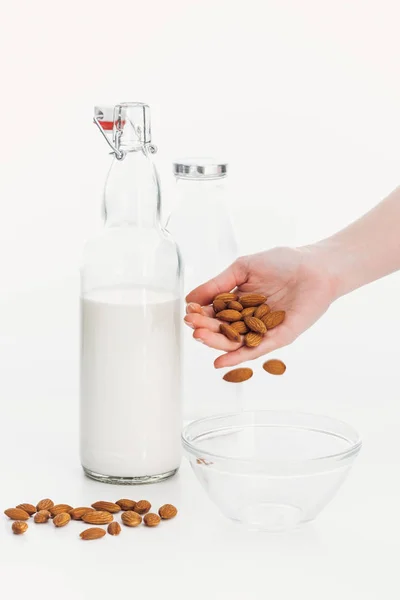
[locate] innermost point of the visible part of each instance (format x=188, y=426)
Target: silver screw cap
x=199, y=168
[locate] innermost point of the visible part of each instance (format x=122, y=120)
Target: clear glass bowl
x=271, y=470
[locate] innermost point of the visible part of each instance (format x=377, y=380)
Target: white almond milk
x=130, y=382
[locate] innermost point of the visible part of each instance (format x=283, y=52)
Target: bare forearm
x=366, y=250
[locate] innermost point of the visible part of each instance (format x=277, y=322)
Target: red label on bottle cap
x=106, y=125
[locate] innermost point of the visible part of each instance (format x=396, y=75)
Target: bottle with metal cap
x=130, y=384
x=202, y=227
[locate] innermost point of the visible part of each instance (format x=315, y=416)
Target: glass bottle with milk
x=201, y=226
x=130, y=318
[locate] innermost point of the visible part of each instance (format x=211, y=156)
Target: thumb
x=232, y=277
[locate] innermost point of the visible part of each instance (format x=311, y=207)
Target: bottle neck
x=132, y=193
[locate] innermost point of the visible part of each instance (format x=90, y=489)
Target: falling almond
x=274, y=366
x=238, y=375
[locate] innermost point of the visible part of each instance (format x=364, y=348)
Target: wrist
x=329, y=259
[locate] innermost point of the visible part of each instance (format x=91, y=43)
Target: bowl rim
x=352, y=450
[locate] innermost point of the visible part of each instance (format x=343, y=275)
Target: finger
x=233, y=276
x=193, y=307
x=215, y=340
x=271, y=342
x=195, y=320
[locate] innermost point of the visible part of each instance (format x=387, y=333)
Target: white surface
x=131, y=366
x=302, y=98
x=350, y=551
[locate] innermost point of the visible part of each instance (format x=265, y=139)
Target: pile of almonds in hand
x=246, y=315
x=251, y=317
x=100, y=513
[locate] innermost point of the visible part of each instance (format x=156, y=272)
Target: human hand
x=294, y=280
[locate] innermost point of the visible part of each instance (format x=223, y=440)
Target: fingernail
x=199, y=340
x=188, y=323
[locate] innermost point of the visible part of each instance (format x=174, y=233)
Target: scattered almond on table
x=93, y=533
x=131, y=518
x=60, y=508
x=45, y=504
x=19, y=527
x=125, y=504
x=114, y=528
x=29, y=508
x=151, y=520
x=77, y=513
x=142, y=507
x=62, y=514
x=167, y=511
x=97, y=517
x=17, y=514
x=107, y=506
x=42, y=516
x=61, y=519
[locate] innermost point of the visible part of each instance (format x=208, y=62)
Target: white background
x=303, y=99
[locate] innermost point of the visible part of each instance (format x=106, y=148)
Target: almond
x=255, y=325
x=238, y=375
x=274, y=366
x=114, y=528
x=61, y=519
x=16, y=514
x=253, y=339
x=228, y=297
x=77, y=513
x=126, y=504
x=234, y=305
x=97, y=517
x=19, y=527
x=29, y=508
x=108, y=506
x=229, y=315
x=273, y=318
x=142, y=507
x=240, y=327
x=167, y=511
x=219, y=305
x=60, y=508
x=261, y=311
x=252, y=300
x=131, y=518
x=249, y=311
x=45, y=504
x=203, y=461
x=42, y=516
x=229, y=332
x=93, y=533
x=151, y=520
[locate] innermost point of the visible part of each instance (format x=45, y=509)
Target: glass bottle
x=130, y=318
x=201, y=226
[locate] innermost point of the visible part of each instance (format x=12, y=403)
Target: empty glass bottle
x=201, y=226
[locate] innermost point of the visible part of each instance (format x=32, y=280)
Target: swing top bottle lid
x=130, y=121
x=200, y=168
